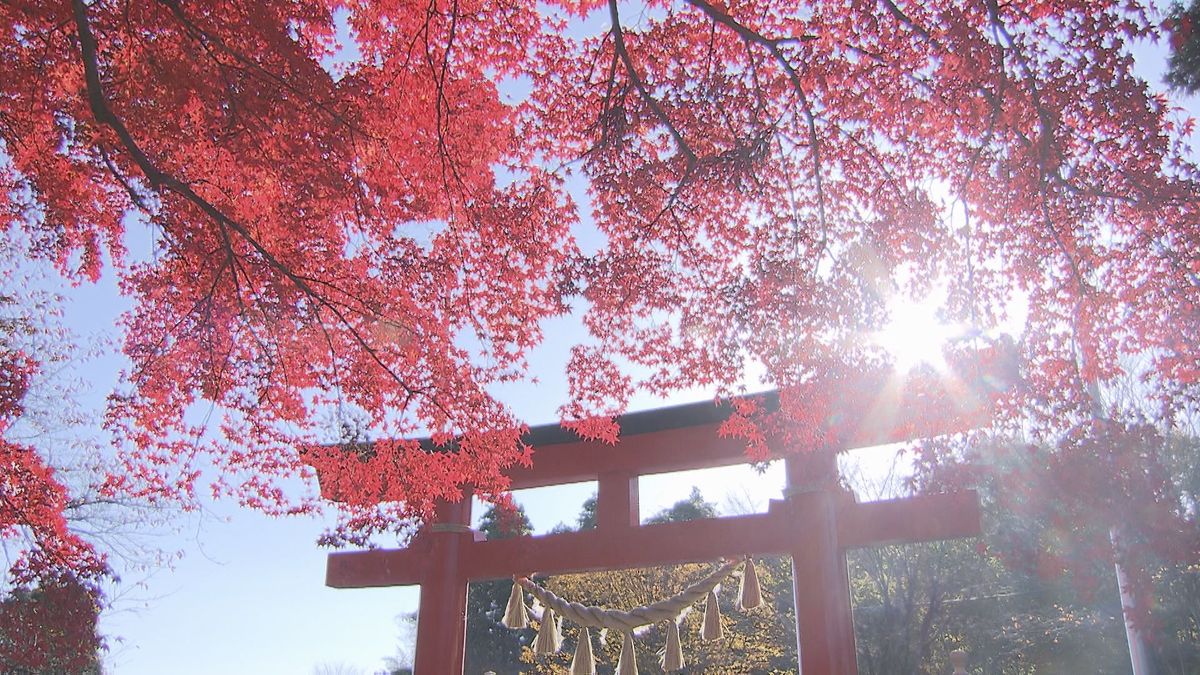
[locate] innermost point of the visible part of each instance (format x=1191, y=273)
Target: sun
x=915, y=336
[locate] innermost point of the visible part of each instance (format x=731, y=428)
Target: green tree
x=694, y=507
x=1183, y=65
x=491, y=645
x=916, y=603
x=401, y=662
x=691, y=508
x=50, y=629
x=1177, y=587
x=587, y=513
x=1012, y=599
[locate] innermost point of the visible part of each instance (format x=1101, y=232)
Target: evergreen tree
x=1183, y=66
x=491, y=645
x=50, y=629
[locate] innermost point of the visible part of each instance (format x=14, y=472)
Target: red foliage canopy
x=384, y=228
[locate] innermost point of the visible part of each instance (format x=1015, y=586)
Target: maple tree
x=51, y=590
x=378, y=220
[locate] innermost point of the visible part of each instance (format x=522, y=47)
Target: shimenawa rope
x=612, y=619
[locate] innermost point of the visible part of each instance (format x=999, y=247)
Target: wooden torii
x=814, y=522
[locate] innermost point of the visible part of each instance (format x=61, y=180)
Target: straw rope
x=612, y=619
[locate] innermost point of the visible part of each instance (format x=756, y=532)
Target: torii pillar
x=815, y=523
x=442, y=613
x=824, y=618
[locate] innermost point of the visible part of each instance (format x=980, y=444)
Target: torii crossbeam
x=814, y=522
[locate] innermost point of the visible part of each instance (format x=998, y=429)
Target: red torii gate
x=815, y=522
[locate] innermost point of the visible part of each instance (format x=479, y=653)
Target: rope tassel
x=672, y=654
x=627, y=662
x=583, y=663
x=712, y=619
x=515, y=615
x=750, y=594
x=549, y=640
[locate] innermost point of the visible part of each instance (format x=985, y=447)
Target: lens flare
x=915, y=336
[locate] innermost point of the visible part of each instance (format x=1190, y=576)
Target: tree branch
x=773, y=46
x=163, y=180
x=622, y=52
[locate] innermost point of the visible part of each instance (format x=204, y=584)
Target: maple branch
x=773, y=46
x=1045, y=118
x=204, y=37
x=1048, y=223
x=37, y=532
x=607, y=112
x=719, y=15
x=135, y=197
x=442, y=108
x=163, y=180
x=622, y=51
x=1045, y=140
x=9, y=131
x=907, y=21
x=1144, y=194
